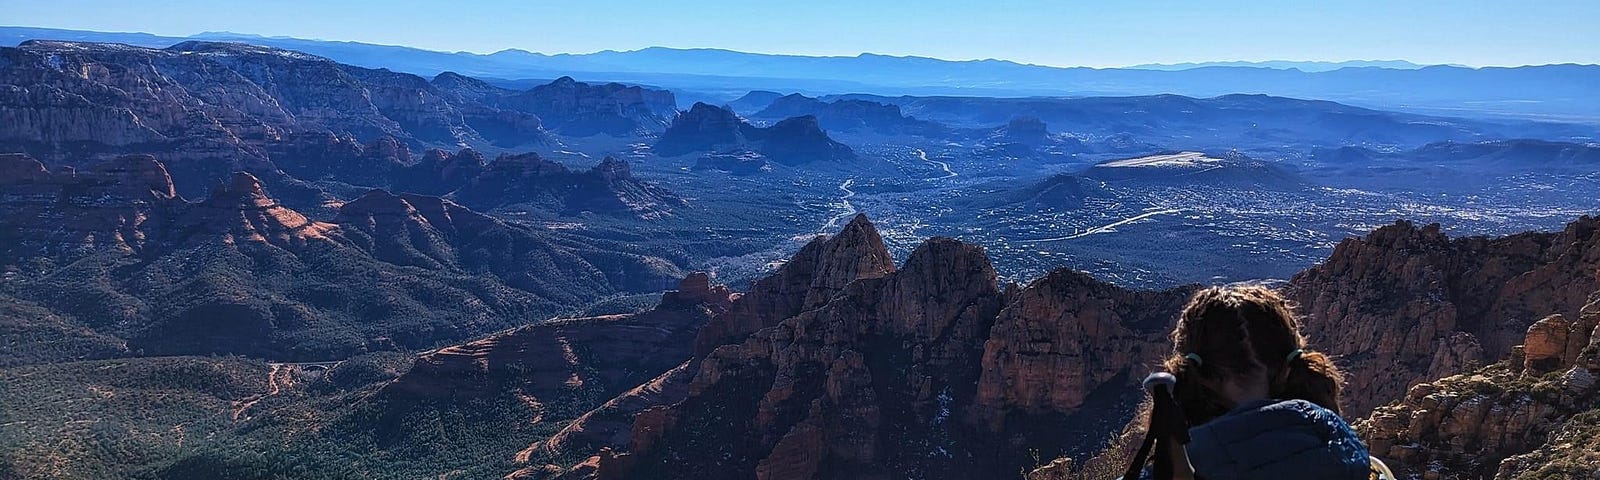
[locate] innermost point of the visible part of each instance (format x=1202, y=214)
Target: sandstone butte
x=843, y=363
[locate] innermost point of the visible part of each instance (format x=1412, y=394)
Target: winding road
x=849, y=208
x=942, y=165
x=1105, y=228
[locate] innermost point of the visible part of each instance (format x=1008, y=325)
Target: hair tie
x=1293, y=355
x=1195, y=357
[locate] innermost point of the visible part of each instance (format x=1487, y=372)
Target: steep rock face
x=481, y=108
x=851, y=385
x=793, y=141
x=850, y=115
x=434, y=233
x=799, y=140
x=574, y=108
x=704, y=128
x=211, y=108
x=821, y=268
x=1406, y=304
x=439, y=172
x=1065, y=335
x=609, y=425
x=929, y=371
x=329, y=156
x=529, y=180
x=241, y=211
x=943, y=375
x=111, y=207
x=547, y=360
x=1508, y=420
x=113, y=251
x=556, y=371
x=1027, y=130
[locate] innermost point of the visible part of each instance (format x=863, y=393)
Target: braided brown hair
x=1238, y=331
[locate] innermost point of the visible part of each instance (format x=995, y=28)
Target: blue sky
x=1065, y=33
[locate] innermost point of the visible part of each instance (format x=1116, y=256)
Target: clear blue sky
x=1064, y=32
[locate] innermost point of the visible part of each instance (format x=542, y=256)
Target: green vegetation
x=205, y=418
x=1573, y=451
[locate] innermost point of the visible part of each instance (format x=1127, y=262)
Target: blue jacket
x=1272, y=439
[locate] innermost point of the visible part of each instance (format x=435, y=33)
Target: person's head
x=1241, y=339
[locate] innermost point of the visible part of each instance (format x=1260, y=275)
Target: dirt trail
x=278, y=370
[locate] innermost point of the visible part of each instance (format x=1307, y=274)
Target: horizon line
x=1193, y=63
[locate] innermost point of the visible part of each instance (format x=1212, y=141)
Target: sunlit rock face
x=1533, y=411
x=932, y=368
x=1406, y=304
x=210, y=108
x=117, y=253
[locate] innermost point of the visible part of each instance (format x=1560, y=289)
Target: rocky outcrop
x=550, y=359
x=1508, y=420
x=933, y=371
x=1065, y=335
x=1026, y=130
x=435, y=233
x=114, y=247
x=1028, y=137
x=718, y=131
x=841, y=365
x=848, y=115
x=240, y=211
x=821, y=268
x=799, y=140
x=211, y=108
x=529, y=181
x=579, y=109
x=561, y=372
x=439, y=172
x=117, y=206
x=702, y=128
x=1406, y=304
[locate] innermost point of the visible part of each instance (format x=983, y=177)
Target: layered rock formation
x=527, y=180
x=1406, y=304
x=799, y=140
x=720, y=132
x=548, y=360
x=579, y=109
x=848, y=115
x=115, y=252
x=556, y=371
x=932, y=370
x=842, y=365
x=1519, y=418
x=211, y=108
x=704, y=127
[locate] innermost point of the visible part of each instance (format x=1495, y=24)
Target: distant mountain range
x=1566, y=92
x=1286, y=65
